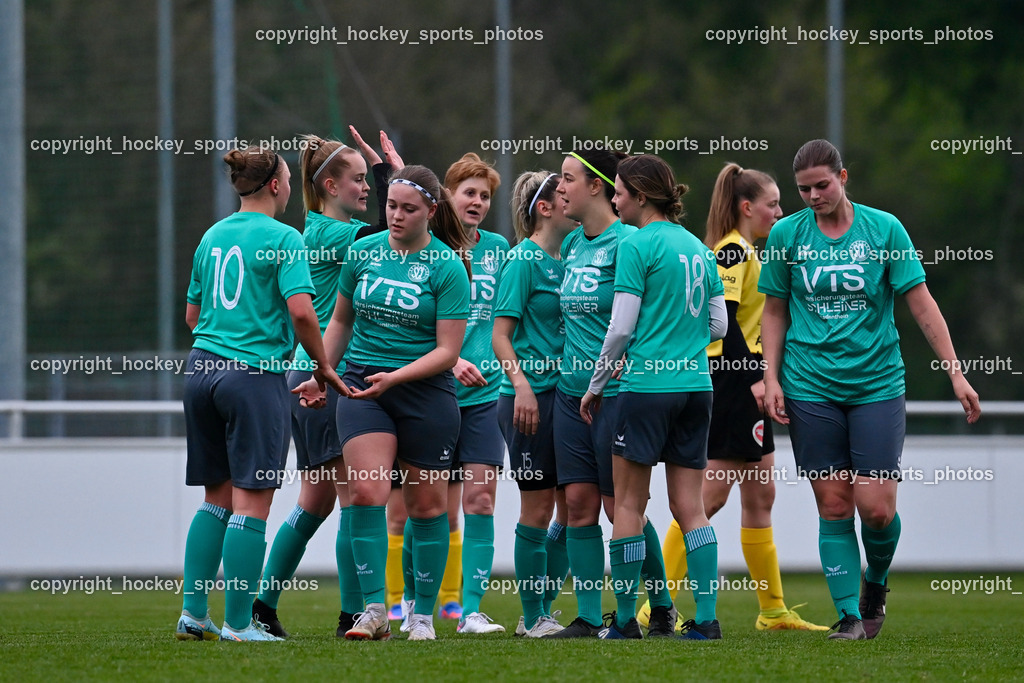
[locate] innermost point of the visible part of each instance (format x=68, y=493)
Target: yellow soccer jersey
x=740, y=269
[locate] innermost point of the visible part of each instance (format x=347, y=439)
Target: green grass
x=929, y=635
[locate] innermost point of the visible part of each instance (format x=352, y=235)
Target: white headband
x=328, y=160
x=419, y=187
x=536, y=195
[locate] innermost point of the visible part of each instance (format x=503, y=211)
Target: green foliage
x=630, y=71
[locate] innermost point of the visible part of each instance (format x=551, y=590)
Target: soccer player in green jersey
x=334, y=189
x=244, y=300
x=480, y=452
x=834, y=372
x=668, y=306
x=741, y=448
x=528, y=338
x=399, y=320
x=584, y=451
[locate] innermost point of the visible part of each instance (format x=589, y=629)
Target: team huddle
x=607, y=340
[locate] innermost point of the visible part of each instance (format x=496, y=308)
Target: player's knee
x=877, y=515
x=835, y=507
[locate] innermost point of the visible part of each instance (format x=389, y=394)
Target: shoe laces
x=845, y=623
x=688, y=625
x=609, y=618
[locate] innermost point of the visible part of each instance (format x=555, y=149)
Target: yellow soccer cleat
x=643, y=616
x=785, y=620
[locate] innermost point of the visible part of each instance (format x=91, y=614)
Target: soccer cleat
x=478, y=622
x=706, y=630
x=407, y=606
x=345, y=622
x=450, y=610
x=267, y=615
x=520, y=627
x=255, y=631
x=190, y=628
x=577, y=629
x=785, y=619
x=371, y=624
x=662, y=622
x=395, y=613
x=848, y=628
x=545, y=625
x=421, y=627
x=872, y=606
x=643, y=615
x=612, y=631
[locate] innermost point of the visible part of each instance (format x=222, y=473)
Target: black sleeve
x=734, y=346
x=381, y=172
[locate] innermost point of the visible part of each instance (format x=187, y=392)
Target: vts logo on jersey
x=851, y=281
x=483, y=287
x=405, y=294
x=581, y=280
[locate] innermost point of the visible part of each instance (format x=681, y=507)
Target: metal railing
x=19, y=409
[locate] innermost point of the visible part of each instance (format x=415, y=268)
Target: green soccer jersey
x=529, y=292
x=842, y=345
x=675, y=276
x=243, y=272
x=586, y=300
x=327, y=242
x=488, y=256
x=398, y=299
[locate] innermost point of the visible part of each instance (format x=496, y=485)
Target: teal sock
x=429, y=557
x=840, y=559
x=653, y=569
x=530, y=572
x=585, y=546
x=477, y=558
x=558, y=564
x=348, y=579
x=369, y=529
x=288, y=549
x=409, y=589
x=203, y=549
x=879, y=547
x=702, y=565
x=245, y=544
x=627, y=556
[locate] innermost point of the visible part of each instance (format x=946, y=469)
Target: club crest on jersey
x=419, y=272
x=601, y=257
x=859, y=250
x=489, y=264
x=758, y=432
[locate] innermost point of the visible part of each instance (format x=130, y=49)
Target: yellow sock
x=393, y=578
x=673, y=549
x=451, y=583
x=763, y=562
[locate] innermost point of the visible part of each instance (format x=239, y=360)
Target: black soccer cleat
x=848, y=628
x=872, y=606
x=662, y=622
x=345, y=623
x=577, y=629
x=706, y=630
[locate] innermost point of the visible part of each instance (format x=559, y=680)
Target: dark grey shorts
x=423, y=415
x=315, y=432
x=236, y=424
x=671, y=428
x=480, y=441
x=829, y=438
x=583, y=453
x=531, y=459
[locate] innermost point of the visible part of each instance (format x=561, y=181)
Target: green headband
x=586, y=163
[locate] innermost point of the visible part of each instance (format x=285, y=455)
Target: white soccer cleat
x=372, y=624
x=421, y=627
x=407, y=606
x=520, y=627
x=545, y=626
x=478, y=622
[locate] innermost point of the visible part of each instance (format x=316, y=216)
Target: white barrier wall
x=119, y=506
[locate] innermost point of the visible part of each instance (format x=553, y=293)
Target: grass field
x=929, y=635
